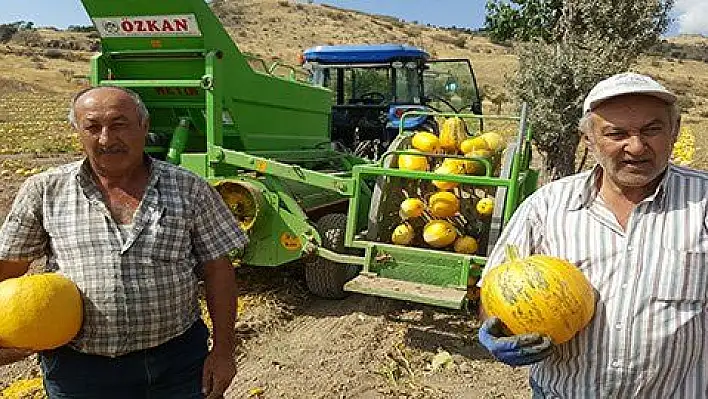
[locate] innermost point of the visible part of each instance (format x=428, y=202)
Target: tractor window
x=452, y=82
x=371, y=85
x=367, y=85
x=407, y=84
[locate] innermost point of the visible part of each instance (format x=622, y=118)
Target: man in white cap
x=636, y=226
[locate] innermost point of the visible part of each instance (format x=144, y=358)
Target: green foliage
x=522, y=20
x=594, y=40
x=81, y=28
x=9, y=30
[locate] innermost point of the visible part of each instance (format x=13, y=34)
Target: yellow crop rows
x=35, y=123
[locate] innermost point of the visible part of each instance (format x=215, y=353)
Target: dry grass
x=42, y=73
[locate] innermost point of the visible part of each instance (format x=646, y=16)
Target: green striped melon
x=539, y=293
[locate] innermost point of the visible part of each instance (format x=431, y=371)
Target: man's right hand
x=514, y=350
x=12, y=355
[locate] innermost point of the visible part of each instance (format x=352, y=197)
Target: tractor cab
x=373, y=85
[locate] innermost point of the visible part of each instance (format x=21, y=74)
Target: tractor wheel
x=324, y=277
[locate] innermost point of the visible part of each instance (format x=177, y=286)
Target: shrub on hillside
x=29, y=38
x=81, y=28
x=7, y=31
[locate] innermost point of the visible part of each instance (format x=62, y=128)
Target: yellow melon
x=474, y=167
x=450, y=166
x=473, y=143
x=426, y=142
x=403, y=234
x=495, y=141
x=439, y=233
x=452, y=133
x=39, y=312
x=539, y=293
x=466, y=245
x=411, y=208
x=413, y=162
x=443, y=204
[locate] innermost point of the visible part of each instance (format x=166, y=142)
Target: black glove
x=515, y=350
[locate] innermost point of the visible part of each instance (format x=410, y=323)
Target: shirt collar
x=87, y=184
x=589, y=190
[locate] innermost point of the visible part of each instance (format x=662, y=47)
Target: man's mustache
x=111, y=150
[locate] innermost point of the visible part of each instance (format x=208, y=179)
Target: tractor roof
x=363, y=53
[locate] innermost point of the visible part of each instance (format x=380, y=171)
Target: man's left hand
x=514, y=350
x=219, y=370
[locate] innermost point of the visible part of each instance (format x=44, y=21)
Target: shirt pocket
x=172, y=237
x=684, y=276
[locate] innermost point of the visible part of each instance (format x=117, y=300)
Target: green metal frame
x=428, y=266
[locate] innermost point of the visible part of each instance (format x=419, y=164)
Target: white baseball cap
x=626, y=83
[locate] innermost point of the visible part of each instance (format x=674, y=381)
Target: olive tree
x=522, y=20
x=593, y=40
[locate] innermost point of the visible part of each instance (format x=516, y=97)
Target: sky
x=690, y=15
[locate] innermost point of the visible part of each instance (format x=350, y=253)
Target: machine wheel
x=326, y=278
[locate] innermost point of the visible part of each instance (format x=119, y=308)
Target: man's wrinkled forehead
x=105, y=103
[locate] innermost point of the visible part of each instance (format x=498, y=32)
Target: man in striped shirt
x=636, y=225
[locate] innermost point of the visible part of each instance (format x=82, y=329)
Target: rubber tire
x=324, y=277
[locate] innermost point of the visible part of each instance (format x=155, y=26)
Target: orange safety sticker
x=261, y=165
x=290, y=241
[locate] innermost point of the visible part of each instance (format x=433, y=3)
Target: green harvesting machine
x=263, y=141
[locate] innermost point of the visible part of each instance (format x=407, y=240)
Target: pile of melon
x=441, y=214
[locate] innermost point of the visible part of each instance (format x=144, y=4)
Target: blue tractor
x=373, y=85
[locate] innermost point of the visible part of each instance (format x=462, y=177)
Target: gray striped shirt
x=139, y=288
x=648, y=336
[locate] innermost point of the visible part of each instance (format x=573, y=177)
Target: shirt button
x=618, y=326
x=616, y=363
x=629, y=248
x=624, y=286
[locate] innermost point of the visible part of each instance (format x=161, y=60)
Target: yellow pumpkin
x=39, y=312
x=452, y=133
x=539, y=293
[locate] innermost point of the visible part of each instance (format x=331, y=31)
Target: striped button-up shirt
x=649, y=335
x=140, y=288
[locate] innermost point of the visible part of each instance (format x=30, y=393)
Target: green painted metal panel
x=280, y=234
x=160, y=49
x=420, y=265
x=196, y=163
